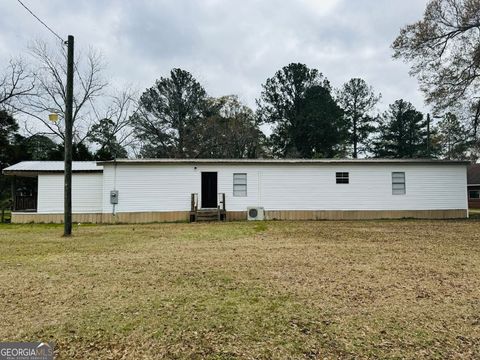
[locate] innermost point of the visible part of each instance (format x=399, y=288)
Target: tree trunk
x=475, y=121
x=181, y=140
x=355, y=138
x=355, y=135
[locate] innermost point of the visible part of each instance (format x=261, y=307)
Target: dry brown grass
x=386, y=289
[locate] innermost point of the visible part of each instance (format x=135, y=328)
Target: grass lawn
x=273, y=290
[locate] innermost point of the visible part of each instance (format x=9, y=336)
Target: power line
x=63, y=41
x=41, y=22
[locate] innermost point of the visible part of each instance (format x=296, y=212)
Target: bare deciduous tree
x=50, y=94
x=443, y=49
x=114, y=133
x=16, y=81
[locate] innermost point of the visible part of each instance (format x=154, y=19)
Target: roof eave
x=284, y=161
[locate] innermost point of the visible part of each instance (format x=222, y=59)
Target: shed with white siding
x=174, y=190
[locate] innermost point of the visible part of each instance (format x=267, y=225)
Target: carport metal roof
x=33, y=168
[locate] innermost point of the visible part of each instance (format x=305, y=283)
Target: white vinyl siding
x=239, y=184
x=150, y=187
x=398, y=183
x=87, y=192
x=167, y=187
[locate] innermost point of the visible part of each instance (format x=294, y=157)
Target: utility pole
x=67, y=220
x=428, y=135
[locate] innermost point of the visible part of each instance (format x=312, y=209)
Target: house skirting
x=31, y=217
x=99, y=218
x=183, y=216
x=365, y=214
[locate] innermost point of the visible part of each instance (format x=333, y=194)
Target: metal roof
x=283, y=161
x=31, y=168
x=473, y=174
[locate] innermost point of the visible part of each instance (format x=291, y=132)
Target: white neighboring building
x=174, y=190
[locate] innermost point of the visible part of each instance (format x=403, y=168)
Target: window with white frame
x=398, y=183
x=474, y=194
x=240, y=184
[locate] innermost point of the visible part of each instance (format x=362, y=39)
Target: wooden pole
x=67, y=230
x=14, y=193
x=428, y=135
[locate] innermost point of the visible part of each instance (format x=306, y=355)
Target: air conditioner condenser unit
x=256, y=213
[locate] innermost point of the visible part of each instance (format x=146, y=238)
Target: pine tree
x=307, y=121
x=358, y=101
x=402, y=133
x=453, y=138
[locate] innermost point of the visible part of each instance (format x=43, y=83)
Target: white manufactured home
x=135, y=191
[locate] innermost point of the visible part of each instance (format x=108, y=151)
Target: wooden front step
x=207, y=215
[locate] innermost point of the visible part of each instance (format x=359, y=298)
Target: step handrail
x=222, y=202
x=194, y=202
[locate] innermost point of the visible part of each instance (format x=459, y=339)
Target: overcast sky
x=232, y=46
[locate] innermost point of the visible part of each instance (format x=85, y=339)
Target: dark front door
x=209, y=190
